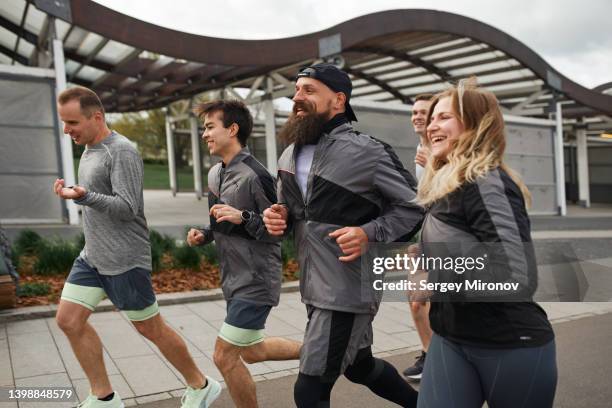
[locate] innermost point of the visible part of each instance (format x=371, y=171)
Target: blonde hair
x=478, y=150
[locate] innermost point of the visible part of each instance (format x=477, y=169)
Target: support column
x=197, y=161
x=66, y=142
x=268, y=105
x=171, y=158
x=559, y=166
x=582, y=157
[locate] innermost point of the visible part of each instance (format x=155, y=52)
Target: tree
x=147, y=129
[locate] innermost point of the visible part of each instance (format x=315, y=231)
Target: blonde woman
x=501, y=352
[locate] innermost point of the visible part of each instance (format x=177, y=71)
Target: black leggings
x=376, y=374
x=462, y=376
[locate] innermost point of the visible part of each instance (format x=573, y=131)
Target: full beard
x=303, y=130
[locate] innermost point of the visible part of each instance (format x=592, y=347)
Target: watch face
x=245, y=215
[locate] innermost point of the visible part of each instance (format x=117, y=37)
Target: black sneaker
x=416, y=370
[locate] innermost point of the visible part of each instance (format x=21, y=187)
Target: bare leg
x=173, y=347
x=420, y=314
x=272, y=348
x=86, y=345
x=237, y=377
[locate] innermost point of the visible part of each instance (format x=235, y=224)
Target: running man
x=338, y=190
x=116, y=259
x=240, y=188
x=420, y=309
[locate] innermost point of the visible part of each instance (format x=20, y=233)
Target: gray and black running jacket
x=354, y=180
x=249, y=258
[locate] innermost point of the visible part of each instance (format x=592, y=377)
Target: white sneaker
x=93, y=402
x=201, y=398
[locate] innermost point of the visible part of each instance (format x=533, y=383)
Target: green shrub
x=164, y=243
x=27, y=242
x=209, y=252
x=186, y=257
x=34, y=289
x=156, y=258
x=79, y=241
x=287, y=250
x=15, y=257
x=55, y=257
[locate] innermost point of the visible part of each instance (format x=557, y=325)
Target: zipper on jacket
x=309, y=181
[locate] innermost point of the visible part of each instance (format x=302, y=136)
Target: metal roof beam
x=13, y=55
x=381, y=84
x=401, y=56
x=89, y=58
x=23, y=18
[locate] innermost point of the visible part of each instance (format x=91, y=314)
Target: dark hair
x=88, y=100
x=423, y=97
x=233, y=111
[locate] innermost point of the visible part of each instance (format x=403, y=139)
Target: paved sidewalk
x=36, y=353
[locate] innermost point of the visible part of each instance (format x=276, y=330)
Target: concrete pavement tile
x=121, y=339
x=3, y=331
x=216, y=324
x=130, y=402
x=27, y=326
x=208, y=310
x=34, y=355
x=73, y=366
x=400, y=315
x=207, y=366
x=49, y=380
x=295, y=304
x=603, y=261
x=297, y=337
x=291, y=316
x=386, y=342
x=386, y=325
x=283, y=365
x=560, y=310
x=410, y=338
x=258, y=368
x=175, y=310
x=153, y=398
x=177, y=393
x=6, y=374
x=197, y=332
x=278, y=327
x=117, y=382
x=277, y=374
x=147, y=374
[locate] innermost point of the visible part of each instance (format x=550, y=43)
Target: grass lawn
x=156, y=177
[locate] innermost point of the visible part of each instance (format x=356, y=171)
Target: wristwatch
x=246, y=216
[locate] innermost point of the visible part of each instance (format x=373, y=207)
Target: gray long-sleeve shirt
x=115, y=228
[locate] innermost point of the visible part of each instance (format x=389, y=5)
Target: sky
x=573, y=36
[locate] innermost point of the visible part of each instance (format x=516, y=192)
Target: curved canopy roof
x=391, y=56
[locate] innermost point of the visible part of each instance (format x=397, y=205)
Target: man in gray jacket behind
x=239, y=189
x=338, y=190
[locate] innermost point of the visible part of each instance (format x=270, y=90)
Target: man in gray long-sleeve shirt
x=240, y=188
x=116, y=259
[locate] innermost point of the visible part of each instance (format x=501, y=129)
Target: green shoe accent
x=201, y=398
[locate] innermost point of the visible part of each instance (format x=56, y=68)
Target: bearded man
x=337, y=190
